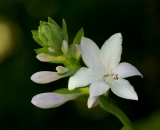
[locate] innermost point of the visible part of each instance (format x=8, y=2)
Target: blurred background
x=137, y=20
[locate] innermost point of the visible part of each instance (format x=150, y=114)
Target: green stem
x=128, y=125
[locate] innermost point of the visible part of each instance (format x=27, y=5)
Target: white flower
x=104, y=71
x=43, y=77
x=51, y=100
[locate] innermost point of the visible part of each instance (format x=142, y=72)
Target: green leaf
x=78, y=37
x=77, y=90
x=42, y=37
x=36, y=38
x=64, y=30
x=70, y=52
x=34, y=32
x=41, y=50
x=50, y=20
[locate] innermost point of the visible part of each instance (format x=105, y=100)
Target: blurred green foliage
x=139, y=23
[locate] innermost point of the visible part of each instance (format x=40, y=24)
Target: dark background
x=137, y=20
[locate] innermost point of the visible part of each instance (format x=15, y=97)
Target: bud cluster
x=55, y=46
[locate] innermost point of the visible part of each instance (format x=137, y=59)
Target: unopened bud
x=50, y=49
x=64, y=47
x=92, y=101
x=77, y=51
x=61, y=69
x=52, y=100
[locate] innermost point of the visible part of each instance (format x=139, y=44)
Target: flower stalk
x=104, y=103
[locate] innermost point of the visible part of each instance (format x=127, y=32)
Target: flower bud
x=51, y=100
x=50, y=49
x=64, y=47
x=77, y=51
x=44, y=77
x=92, y=101
x=61, y=69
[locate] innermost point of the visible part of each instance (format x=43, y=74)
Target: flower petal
x=124, y=89
x=111, y=50
x=44, y=57
x=49, y=58
x=44, y=77
x=91, y=54
x=51, y=100
x=126, y=70
x=98, y=88
x=92, y=101
x=81, y=78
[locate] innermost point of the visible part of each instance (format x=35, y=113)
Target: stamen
x=106, y=75
x=110, y=79
x=110, y=74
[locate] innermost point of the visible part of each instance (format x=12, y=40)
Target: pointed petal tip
x=119, y=35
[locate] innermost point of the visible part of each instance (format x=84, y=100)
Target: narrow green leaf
x=34, y=32
x=41, y=50
x=50, y=20
x=36, y=38
x=64, y=30
x=70, y=52
x=77, y=90
x=78, y=36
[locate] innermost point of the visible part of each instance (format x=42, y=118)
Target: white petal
x=51, y=100
x=44, y=57
x=91, y=54
x=61, y=69
x=82, y=78
x=98, y=88
x=111, y=52
x=124, y=89
x=92, y=102
x=43, y=77
x=126, y=70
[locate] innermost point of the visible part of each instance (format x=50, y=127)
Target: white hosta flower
x=104, y=70
x=64, y=47
x=51, y=100
x=43, y=77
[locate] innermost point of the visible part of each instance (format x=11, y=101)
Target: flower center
x=111, y=78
